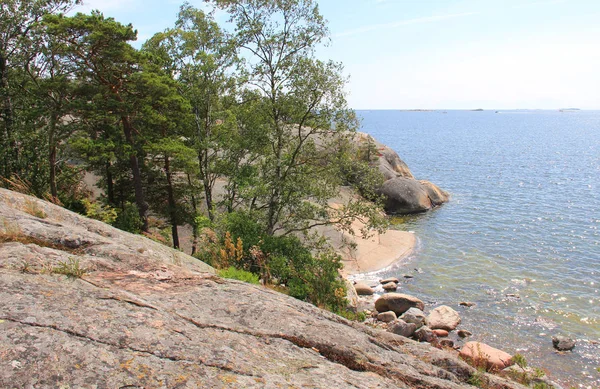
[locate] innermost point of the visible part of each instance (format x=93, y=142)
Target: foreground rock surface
x=144, y=315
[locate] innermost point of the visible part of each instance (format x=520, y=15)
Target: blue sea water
x=521, y=234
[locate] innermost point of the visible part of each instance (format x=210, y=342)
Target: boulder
x=397, y=302
x=488, y=357
x=414, y=315
x=562, y=343
x=444, y=318
x=390, y=286
x=425, y=334
x=387, y=317
x=400, y=327
x=406, y=195
x=388, y=280
x=363, y=289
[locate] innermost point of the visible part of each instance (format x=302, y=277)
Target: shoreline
x=377, y=252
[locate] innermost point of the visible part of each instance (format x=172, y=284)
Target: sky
x=441, y=54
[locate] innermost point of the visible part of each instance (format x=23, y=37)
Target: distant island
x=569, y=109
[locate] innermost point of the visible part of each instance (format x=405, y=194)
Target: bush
x=128, y=219
x=238, y=274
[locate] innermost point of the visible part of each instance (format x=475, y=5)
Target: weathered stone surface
x=435, y=194
x=562, y=343
x=400, y=327
x=390, y=286
x=144, y=315
x=397, y=302
x=387, y=317
x=406, y=195
x=488, y=357
x=363, y=289
x=415, y=316
x=444, y=318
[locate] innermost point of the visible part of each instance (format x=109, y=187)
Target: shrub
x=128, y=219
x=95, y=210
x=238, y=274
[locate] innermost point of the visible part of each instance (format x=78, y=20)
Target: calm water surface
x=521, y=235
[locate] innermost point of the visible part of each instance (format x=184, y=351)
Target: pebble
x=464, y=333
x=467, y=304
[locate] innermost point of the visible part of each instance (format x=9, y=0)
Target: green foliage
x=71, y=268
x=238, y=274
x=98, y=211
x=128, y=219
x=520, y=361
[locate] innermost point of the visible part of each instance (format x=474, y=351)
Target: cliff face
x=144, y=315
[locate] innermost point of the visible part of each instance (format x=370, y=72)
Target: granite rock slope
x=143, y=315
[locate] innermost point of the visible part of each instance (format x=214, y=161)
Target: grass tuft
x=71, y=268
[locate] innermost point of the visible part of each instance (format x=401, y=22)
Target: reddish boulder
x=488, y=357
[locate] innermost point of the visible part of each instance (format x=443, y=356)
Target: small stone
x=415, y=316
x=440, y=333
x=425, y=334
x=363, y=289
x=387, y=317
x=408, y=276
x=444, y=318
x=388, y=280
x=464, y=333
x=400, y=327
x=562, y=343
x=467, y=304
x=390, y=286
x=448, y=343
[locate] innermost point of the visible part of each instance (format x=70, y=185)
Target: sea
x=520, y=236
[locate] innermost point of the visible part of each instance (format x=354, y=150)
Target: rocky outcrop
x=137, y=314
x=403, y=194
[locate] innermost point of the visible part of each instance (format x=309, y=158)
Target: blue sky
x=443, y=54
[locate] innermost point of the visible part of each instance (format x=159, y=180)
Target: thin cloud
x=382, y=26
x=539, y=3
